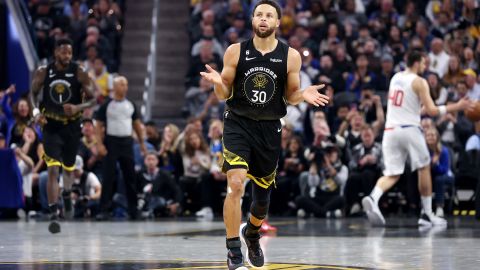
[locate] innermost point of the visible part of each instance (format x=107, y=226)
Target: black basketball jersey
x=259, y=87
x=59, y=88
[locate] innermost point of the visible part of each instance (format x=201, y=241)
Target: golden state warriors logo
x=259, y=86
x=160, y=265
x=260, y=81
x=60, y=92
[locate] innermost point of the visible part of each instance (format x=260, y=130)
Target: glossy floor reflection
x=181, y=244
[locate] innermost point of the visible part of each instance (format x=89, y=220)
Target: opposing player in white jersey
x=403, y=138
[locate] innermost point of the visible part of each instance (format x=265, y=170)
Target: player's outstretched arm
x=293, y=93
x=223, y=82
x=420, y=85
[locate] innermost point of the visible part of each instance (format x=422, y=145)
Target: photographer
x=322, y=186
x=86, y=191
x=160, y=194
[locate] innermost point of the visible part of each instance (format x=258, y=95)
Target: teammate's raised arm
x=37, y=84
x=223, y=82
x=294, y=94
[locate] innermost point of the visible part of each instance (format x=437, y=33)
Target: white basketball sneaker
x=373, y=212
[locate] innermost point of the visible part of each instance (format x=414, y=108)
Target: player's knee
x=259, y=209
x=235, y=187
x=235, y=183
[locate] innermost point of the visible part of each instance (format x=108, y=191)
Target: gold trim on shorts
x=51, y=161
x=67, y=168
x=264, y=182
x=232, y=158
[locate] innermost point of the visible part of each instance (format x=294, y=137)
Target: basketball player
x=63, y=83
x=259, y=77
x=403, y=138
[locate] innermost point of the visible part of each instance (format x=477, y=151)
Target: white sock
x=427, y=205
x=376, y=194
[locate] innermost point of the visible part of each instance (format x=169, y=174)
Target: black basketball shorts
x=61, y=143
x=252, y=145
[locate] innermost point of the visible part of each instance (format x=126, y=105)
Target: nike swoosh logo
x=51, y=76
x=248, y=59
x=279, y=130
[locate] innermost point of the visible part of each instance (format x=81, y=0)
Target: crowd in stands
x=331, y=157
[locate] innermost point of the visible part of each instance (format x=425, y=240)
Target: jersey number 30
x=397, y=98
x=259, y=96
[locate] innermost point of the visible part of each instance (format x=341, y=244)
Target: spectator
x=382, y=79
x=103, y=45
x=468, y=59
x=365, y=167
x=208, y=34
x=372, y=109
x=196, y=162
x=114, y=123
x=213, y=183
x=77, y=11
x=198, y=62
x=438, y=58
x=291, y=164
x=196, y=96
x=160, y=194
x=360, y=76
x=22, y=114
x=25, y=166
x=351, y=128
x=92, y=54
x=330, y=75
x=454, y=73
x=86, y=191
x=103, y=80
x=437, y=91
x=472, y=86
x=170, y=159
x=440, y=164
x=88, y=149
x=396, y=44
x=33, y=147
x=153, y=135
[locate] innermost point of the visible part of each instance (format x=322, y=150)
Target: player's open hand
x=70, y=109
x=312, y=96
x=212, y=75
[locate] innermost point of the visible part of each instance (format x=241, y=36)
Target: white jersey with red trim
x=404, y=105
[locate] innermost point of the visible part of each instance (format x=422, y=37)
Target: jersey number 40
x=397, y=98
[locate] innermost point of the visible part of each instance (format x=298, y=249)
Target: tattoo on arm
x=87, y=88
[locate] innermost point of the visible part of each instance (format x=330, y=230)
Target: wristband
x=35, y=112
x=442, y=110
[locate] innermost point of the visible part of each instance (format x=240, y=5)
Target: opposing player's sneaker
x=54, y=226
x=234, y=256
x=255, y=256
x=431, y=220
x=373, y=212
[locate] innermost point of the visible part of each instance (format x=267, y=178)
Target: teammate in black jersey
x=65, y=85
x=260, y=76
